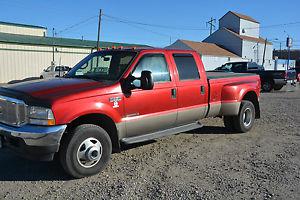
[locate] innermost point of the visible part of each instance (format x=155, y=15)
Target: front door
x=148, y=111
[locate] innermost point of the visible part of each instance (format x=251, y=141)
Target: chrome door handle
x=202, y=89
x=173, y=93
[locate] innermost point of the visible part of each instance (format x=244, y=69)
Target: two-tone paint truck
x=121, y=96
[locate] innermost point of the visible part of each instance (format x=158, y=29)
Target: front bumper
x=34, y=142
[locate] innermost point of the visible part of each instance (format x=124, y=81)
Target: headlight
x=41, y=116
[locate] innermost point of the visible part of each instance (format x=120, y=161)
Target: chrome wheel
x=247, y=117
x=89, y=152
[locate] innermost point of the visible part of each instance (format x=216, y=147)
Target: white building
x=22, y=29
x=240, y=34
x=25, y=51
x=212, y=55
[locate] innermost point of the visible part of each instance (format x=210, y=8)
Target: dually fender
x=232, y=96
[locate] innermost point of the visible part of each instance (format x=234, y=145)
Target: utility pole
x=257, y=52
x=53, y=48
x=264, y=57
x=99, y=29
x=289, y=44
x=280, y=50
x=211, y=24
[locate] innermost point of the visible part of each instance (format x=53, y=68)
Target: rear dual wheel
x=244, y=121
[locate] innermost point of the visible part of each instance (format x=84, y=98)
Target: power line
x=77, y=24
x=275, y=25
x=139, y=27
x=156, y=25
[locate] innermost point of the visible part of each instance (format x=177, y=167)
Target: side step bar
x=160, y=134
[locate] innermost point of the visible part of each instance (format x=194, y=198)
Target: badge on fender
x=115, y=100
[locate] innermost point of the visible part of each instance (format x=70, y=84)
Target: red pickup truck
x=116, y=97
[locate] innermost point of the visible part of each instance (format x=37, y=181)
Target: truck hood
x=58, y=88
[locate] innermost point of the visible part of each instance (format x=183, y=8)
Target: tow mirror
x=146, y=80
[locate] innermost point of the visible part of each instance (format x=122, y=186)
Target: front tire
x=86, y=151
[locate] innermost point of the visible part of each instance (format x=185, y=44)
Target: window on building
x=186, y=67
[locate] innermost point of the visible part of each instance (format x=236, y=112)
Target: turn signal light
x=51, y=122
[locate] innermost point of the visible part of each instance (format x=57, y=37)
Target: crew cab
x=118, y=97
x=270, y=79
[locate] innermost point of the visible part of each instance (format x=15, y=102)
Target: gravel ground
x=209, y=163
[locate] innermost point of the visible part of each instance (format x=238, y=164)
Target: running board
x=160, y=134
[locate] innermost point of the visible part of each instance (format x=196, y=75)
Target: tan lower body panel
x=224, y=109
x=149, y=124
x=191, y=115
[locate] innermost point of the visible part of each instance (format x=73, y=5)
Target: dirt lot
x=209, y=163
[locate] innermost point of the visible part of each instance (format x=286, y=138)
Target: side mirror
x=146, y=80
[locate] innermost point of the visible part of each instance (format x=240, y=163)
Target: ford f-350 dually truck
x=121, y=96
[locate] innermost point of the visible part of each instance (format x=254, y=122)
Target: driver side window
x=156, y=63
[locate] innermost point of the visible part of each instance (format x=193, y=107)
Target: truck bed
x=220, y=75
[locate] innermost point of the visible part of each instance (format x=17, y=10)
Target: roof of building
x=61, y=42
x=21, y=25
x=247, y=38
x=242, y=16
x=208, y=49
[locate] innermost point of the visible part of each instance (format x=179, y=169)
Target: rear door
x=191, y=90
x=148, y=111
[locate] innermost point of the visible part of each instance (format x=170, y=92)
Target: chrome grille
x=12, y=111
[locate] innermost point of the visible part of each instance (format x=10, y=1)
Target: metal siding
x=19, y=62
x=250, y=53
x=226, y=39
x=231, y=22
x=251, y=28
x=22, y=30
x=212, y=62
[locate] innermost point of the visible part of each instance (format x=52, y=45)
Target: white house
x=240, y=34
x=212, y=55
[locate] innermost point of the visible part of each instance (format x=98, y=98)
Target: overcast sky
x=176, y=17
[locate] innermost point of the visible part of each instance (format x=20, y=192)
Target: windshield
x=103, y=65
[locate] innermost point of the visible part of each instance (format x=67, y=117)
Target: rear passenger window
x=186, y=66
